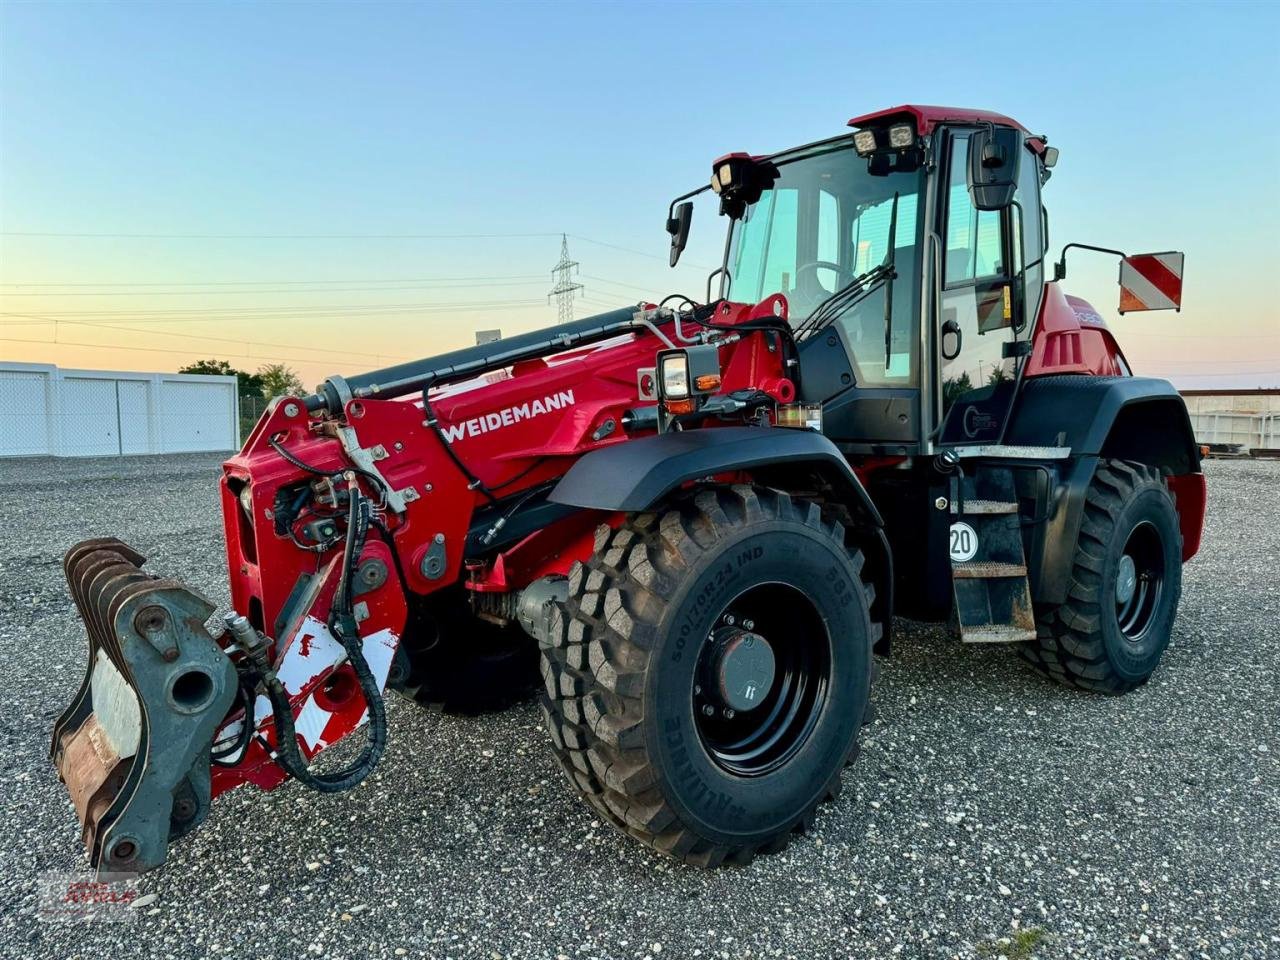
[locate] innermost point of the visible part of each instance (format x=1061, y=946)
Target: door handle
x=952, y=327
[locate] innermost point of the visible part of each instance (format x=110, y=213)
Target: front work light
x=864, y=142
x=675, y=375
x=739, y=179
x=687, y=376
x=901, y=136
x=722, y=178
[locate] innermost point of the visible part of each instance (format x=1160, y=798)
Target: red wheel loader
x=700, y=517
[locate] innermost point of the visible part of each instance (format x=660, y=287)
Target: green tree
x=250, y=384
x=279, y=380
x=954, y=389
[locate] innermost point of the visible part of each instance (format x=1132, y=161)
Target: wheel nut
x=708, y=710
x=729, y=713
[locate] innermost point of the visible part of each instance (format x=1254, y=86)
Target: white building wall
x=93, y=413
x=1251, y=420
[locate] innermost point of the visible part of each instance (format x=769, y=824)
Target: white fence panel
x=94, y=413
x=197, y=416
x=135, y=416
x=87, y=418
x=24, y=398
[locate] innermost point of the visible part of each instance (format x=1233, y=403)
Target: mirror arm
x=1060, y=268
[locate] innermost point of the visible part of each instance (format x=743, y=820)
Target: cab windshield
x=825, y=222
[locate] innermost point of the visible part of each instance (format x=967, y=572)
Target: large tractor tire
x=1126, y=578
x=708, y=674
x=451, y=661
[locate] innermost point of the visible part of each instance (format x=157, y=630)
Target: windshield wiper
x=857, y=289
x=889, y=258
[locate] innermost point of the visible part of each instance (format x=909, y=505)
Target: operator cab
x=911, y=253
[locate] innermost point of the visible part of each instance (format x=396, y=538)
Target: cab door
x=988, y=298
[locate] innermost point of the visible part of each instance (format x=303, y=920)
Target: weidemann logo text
x=507, y=416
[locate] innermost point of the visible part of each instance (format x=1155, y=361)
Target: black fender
x=1135, y=418
x=637, y=474
x=1129, y=418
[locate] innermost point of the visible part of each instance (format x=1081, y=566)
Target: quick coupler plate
x=133, y=748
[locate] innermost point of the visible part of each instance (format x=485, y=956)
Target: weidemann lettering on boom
x=507, y=416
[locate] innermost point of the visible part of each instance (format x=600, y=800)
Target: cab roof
x=927, y=117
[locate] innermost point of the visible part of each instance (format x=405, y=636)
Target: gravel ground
x=986, y=801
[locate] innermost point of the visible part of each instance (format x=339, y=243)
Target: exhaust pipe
x=133, y=748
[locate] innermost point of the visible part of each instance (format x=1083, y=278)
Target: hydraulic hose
x=343, y=625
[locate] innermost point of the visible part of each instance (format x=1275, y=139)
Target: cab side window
x=973, y=242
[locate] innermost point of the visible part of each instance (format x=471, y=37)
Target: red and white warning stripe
x=1151, y=281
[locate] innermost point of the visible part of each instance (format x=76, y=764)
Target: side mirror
x=994, y=154
x=678, y=226
x=1151, y=281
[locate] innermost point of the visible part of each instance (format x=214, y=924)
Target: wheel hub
x=1126, y=579
x=741, y=668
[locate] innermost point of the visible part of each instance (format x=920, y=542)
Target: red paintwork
x=1071, y=337
x=927, y=117
x=515, y=429
x=1190, y=495
x=387, y=611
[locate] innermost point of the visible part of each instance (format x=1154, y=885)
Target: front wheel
x=1126, y=577
x=710, y=671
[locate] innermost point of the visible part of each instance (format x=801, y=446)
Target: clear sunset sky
x=345, y=186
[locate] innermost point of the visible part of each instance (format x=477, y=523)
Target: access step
x=995, y=633
x=984, y=507
x=987, y=570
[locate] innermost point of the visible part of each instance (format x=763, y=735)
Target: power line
x=187, y=352
x=284, y=312
x=237, y=293
x=275, y=236
x=34, y=234
x=244, y=341
x=240, y=283
x=1164, y=360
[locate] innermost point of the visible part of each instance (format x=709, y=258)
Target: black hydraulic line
x=343, y=625
x=245, y=695
x=473, y=482
x=387, y=537
x=278, y=447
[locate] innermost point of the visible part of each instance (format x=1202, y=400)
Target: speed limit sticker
x=964, y=542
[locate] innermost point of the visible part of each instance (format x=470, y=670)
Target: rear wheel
x=1126, y=578
x=707, y=677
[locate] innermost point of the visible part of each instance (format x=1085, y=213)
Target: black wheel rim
x=1139, y=582
x=754, y=742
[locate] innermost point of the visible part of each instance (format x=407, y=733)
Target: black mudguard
x=1128, y=418
x=635, y=475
